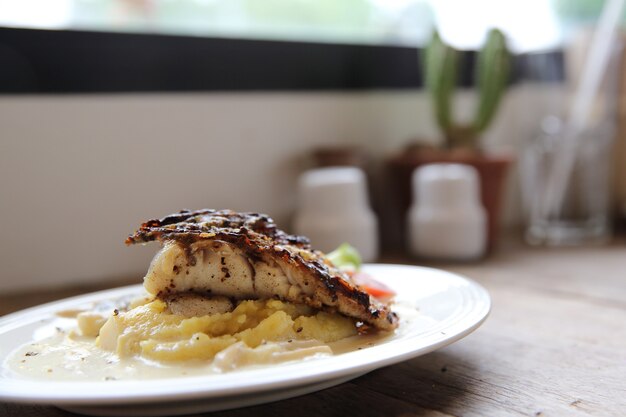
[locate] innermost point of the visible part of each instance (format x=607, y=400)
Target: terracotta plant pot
x=492, y=171
x=339, y=156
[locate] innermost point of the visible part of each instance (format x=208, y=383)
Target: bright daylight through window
x=391, y=22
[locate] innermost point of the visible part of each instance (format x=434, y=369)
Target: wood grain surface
x=554, y=345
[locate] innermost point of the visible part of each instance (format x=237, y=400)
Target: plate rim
x=457, y=331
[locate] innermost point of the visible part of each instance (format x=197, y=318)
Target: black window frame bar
x=34, y=61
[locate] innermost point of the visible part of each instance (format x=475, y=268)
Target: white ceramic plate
x=450, y=308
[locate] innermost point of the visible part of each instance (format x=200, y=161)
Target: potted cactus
x=461, y=141
x=492, y=71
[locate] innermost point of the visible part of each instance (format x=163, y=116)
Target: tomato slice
x=373, y=287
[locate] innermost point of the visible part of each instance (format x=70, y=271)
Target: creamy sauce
x=66, y=355
x=77, y=358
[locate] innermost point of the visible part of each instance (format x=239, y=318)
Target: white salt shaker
x=333, y=208
x=447, y=219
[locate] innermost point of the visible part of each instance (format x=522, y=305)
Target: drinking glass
x=582, y=215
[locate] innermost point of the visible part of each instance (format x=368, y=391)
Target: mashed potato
x=152, y=332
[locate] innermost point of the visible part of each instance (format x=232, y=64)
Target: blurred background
x=116, y=111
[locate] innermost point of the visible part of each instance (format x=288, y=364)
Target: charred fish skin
x=189, y=226
x=300, y=274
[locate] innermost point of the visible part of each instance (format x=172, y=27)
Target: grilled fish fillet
x=245, y=256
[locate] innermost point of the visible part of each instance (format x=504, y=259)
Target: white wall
x=78, y=173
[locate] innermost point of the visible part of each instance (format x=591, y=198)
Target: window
x=191, y=45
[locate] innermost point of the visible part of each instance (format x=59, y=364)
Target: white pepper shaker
x=333, y=208
x=447, y=219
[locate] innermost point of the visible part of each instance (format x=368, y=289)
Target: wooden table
x=554, y=345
